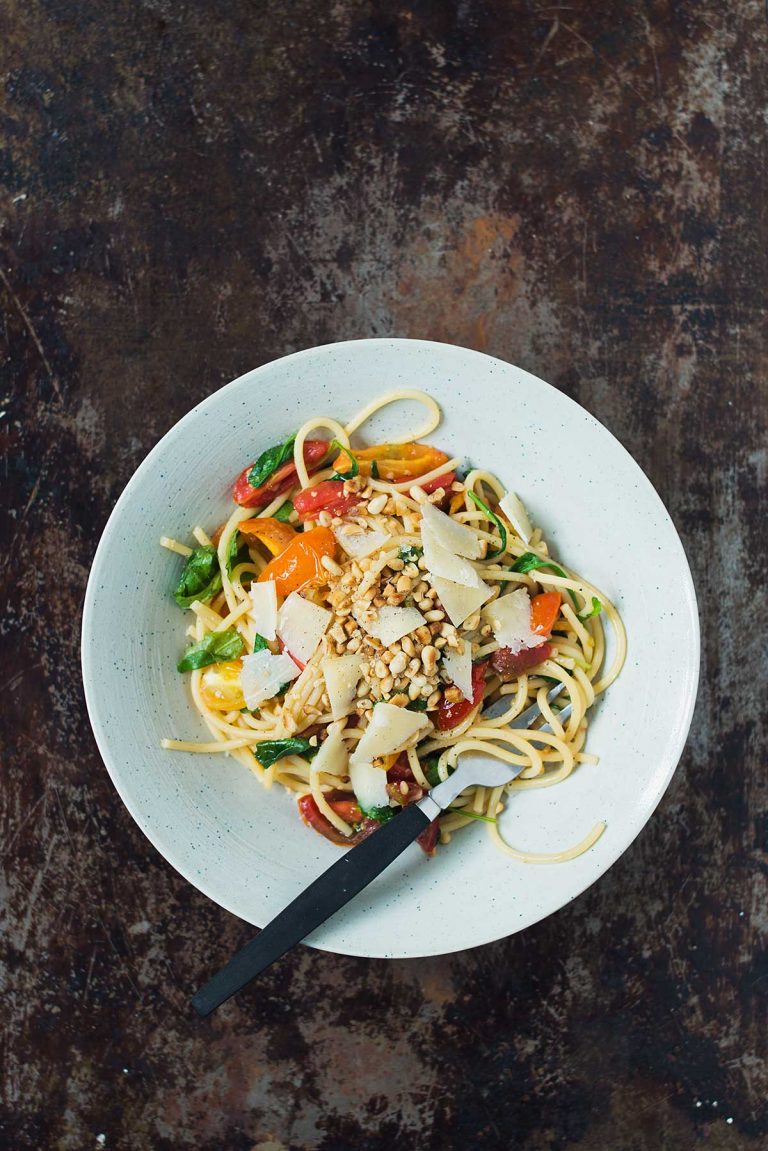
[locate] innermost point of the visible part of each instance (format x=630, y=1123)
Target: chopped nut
x=381, y=669
x=354, y=644
x=379, y=601
x=404, y=584
x=387, y=685
x=440, y=642
x=329, y=564
x=398, y=663
x=387, y=656
x=452, y=695
x=396, y=564
x=424, y=634
x=337, y=632
x=457, y=486
x=425, y=604
x=429, y=658
x=472, y=622
x=362, y=689
x=433, y=701
x=399, y=700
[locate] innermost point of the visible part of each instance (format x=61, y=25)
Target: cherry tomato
x=274, y=534
x=395, y=462
x=399, y=773
x=347, y=808
x=300, y=564
x=452, y=714
x=427, y=841
x=327, y=496
x=545, y=609
x=509, y=664
x=280, y=481
x=220, y=686
x=443, y=481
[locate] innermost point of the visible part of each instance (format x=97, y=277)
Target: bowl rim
x=688, y=696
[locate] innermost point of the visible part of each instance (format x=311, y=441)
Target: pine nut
x=324, y=519
x=377, y=504
x=381, y=669
x=407, y=645
x=418, y=494
x=387, y=685
x=433, y=701
x=429, y=658
x=330, y=565
x=404, y=584
x=399, y=663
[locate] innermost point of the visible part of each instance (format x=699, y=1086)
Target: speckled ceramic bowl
x=245, y=847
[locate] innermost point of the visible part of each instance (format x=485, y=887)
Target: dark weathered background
x=189, y=188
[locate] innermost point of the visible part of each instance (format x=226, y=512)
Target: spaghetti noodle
x=361, y=609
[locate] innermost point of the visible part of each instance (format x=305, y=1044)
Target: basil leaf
x=381, y=814
x=596, y=608
x=270, y=750
x=216, y=647
x=473, y=815
x=411, y=555
x=355, y=470
x=260, y=644
x=374, y=470
x=200, y=577
x=416, y=705
x=491, y=516
x=284, y=512
x=529, y=561
x=269, y=461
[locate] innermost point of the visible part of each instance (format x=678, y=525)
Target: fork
x=360, y=866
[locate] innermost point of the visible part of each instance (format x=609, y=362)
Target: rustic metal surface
x=189, y=189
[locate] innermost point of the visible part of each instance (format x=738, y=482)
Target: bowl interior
x=244, y=846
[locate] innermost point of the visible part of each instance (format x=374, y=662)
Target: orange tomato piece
x=274, y=534
x=545, y=609
x=300, y=564
x=220, y=686
x=394, y=461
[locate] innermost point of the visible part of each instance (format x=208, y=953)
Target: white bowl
x=246, y=847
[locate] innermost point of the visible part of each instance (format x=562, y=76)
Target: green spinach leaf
x=410, y=554
x=596, y=608
x=215, y=647
x=200, y=577
x=269, y=461
x=270, y=750
x=382, y=814
x=284, y=512
x=529, y=561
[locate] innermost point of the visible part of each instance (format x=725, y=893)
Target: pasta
x=367, y=615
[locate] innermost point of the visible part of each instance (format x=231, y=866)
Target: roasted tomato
x=274, y=534
x=395, y=463
x=398, y=775
x=327, y=496
x=452, y=714
x=344, y=806
x=280, y=481
x=301, y=562
x=509, y=664
x=545, y=609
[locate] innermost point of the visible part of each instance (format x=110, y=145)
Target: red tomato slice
x=280, y=481
x=452, y=714
x=427, y=841
x=400, y=772
x=438, y=482
x=344, y=806
x=327, y=496
x=511, y=664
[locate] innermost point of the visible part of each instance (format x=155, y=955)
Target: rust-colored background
x=190, y=188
